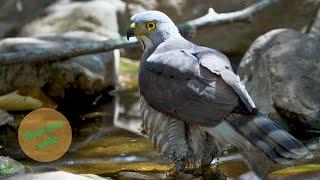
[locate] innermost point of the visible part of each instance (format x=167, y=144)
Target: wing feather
x=175, y=83
x=218, y=63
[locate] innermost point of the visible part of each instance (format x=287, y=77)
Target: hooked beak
x=130, y=32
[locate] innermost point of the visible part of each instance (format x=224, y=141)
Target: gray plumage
x=190, y=96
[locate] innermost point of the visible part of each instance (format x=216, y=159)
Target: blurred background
x=276, y=54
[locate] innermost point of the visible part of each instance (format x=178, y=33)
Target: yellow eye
x=151, y=25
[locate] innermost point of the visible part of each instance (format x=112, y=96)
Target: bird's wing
x=175, y=83
x=219, y=64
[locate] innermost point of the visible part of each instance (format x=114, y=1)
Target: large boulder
x=98, y=16
x=18, y=76
x=88, y=73
x=233, y=38
x=281, y=71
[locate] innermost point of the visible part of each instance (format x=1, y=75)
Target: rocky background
x=277, y=55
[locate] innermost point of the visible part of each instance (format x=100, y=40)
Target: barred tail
x=276, y=143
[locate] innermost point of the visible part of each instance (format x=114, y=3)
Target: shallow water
x=111, y=146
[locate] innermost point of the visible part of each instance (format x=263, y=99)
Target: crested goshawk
x=192, y=100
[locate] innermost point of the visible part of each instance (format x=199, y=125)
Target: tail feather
x=285, y=143
x=278, y=144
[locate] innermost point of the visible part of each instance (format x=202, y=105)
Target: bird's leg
x=202, y=146
x=168, y=137
x=175, y=147
x=167, y=134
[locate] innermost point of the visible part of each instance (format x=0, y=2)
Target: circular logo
x=44, y=135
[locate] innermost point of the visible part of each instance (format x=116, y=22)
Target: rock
x=14, y=15
x=5, y=117
x=134, y=175
x=56, y=175
x=15, y=102
x=95, y=177
x=89, y=73
x=281, y=71
x=249, y=175
x=9, y=167
x=13, y=77
x=19, y=76
x=234, y=38
x=315, y=28
x=98, y=16
x=26, y=99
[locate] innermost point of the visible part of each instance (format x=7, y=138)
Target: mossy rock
x=9, y=167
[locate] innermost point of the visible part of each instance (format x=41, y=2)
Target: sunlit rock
x=96, y=16
x=25, y=99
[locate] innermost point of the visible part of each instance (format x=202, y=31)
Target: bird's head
x=151, y=28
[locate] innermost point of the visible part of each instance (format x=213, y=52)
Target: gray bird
x=191, y=100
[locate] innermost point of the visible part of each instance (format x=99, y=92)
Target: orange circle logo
x=45, y=135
